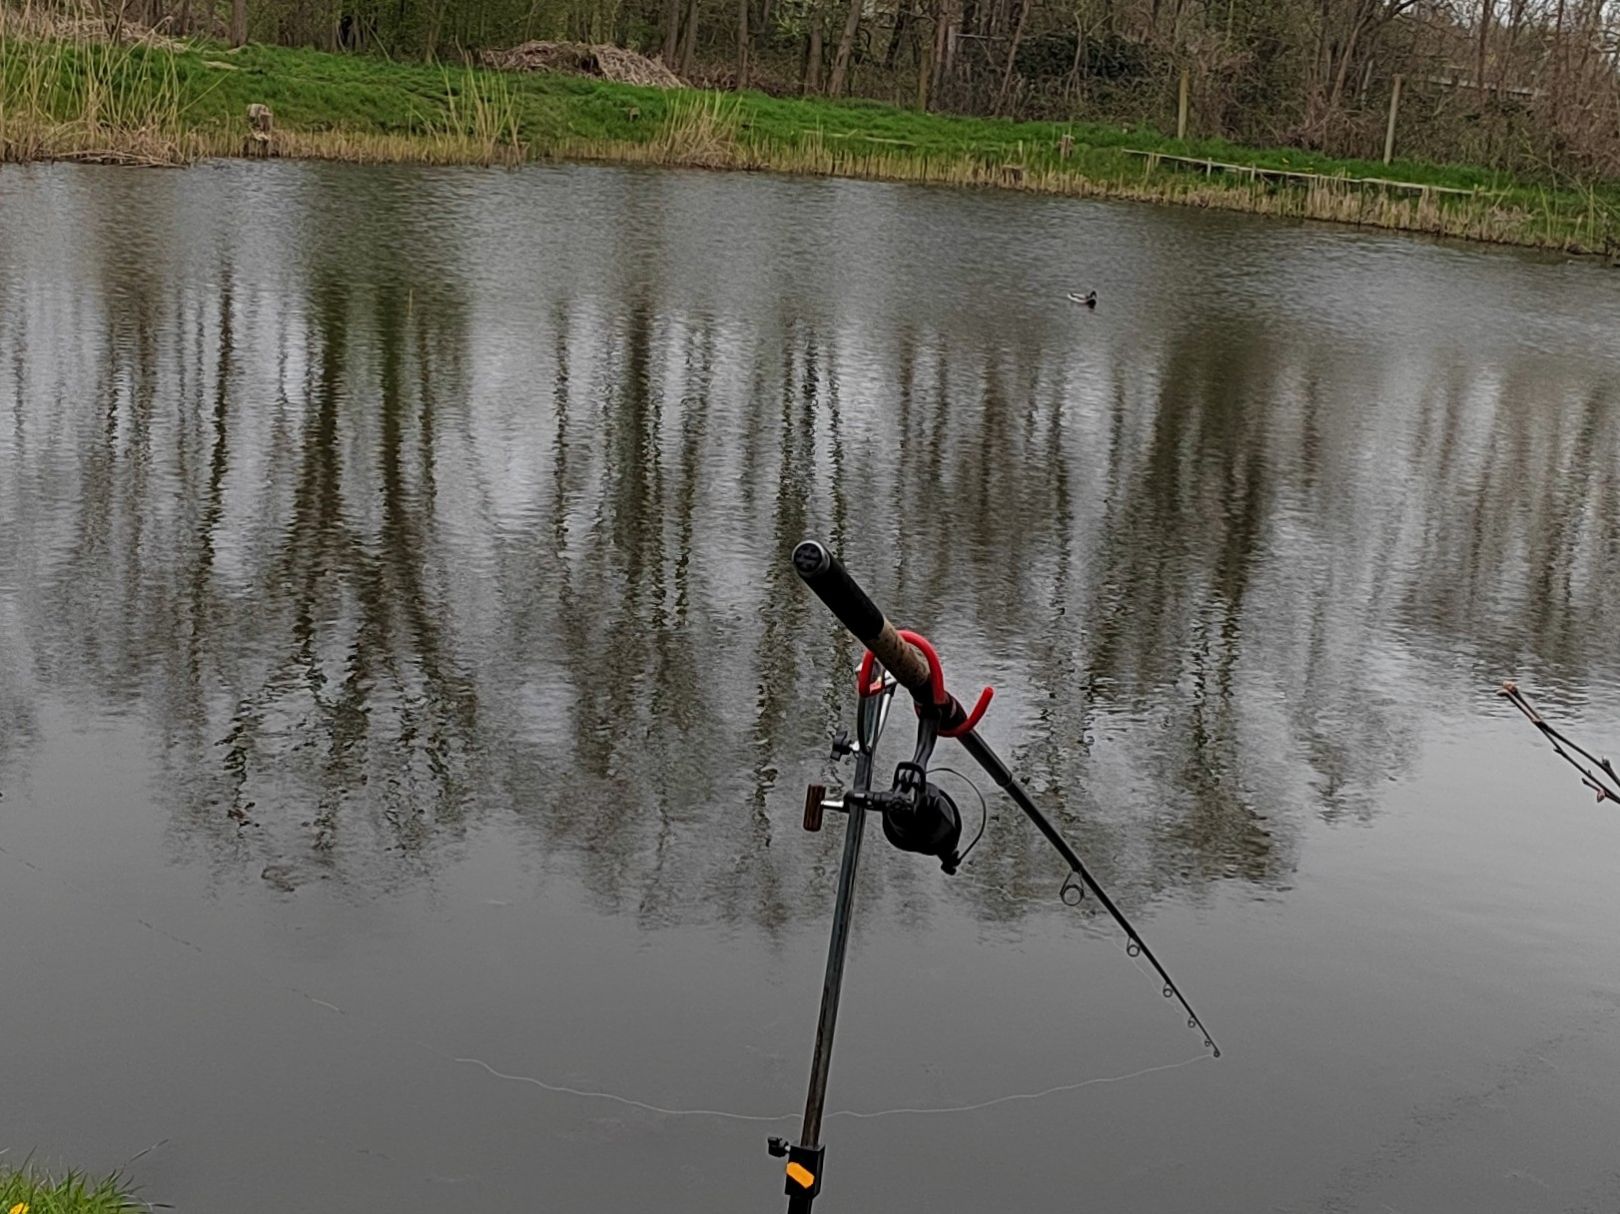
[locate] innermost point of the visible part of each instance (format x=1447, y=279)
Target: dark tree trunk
x=672, y=33
x=689, y=38
x=839, y=80
x=925, y=73
x=813, y=54
x=430, y=48
x=1558, y=61
x=1012, y=57
x=902, y=18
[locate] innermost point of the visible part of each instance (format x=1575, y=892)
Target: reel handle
x=826, y=575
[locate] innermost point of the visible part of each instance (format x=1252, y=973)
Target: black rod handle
x=826, y=575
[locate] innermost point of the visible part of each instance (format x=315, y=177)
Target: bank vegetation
x=160, y=82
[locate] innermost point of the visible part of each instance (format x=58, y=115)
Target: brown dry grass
x=584, y=59
x=705, y=134
x=66, y=21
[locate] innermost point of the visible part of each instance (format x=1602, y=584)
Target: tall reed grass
x=480, y=122
x=83, y=97
x=702, y=131
x=68, y=91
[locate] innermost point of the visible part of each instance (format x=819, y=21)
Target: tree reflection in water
x=381, y=542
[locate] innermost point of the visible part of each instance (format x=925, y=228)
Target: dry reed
x=89, y=99
x=705, y=134
x=481, y=121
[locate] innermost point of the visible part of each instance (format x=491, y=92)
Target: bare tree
x=689, y=39
x=672, y=33
x=1530, y=86
x=813, y=51
x=839, y=79
x=1012, y=56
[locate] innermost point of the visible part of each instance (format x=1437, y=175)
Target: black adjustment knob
x=841, y=745
x=776, y=1146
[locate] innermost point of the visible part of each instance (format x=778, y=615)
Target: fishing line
x=984, y=811
x=856, y=1114
x=1201, y=1056
x=615, y=1098
x=589, y=1093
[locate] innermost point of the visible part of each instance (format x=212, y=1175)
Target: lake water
x=404, y=688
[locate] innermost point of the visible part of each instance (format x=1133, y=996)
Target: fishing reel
x=918, y=815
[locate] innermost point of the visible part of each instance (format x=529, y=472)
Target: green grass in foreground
x=72, y=1194
x=361, y=108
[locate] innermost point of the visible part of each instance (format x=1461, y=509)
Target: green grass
x=72, y=1194
x=312, y=90
x=363, y=108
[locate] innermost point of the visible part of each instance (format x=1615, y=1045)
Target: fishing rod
x=1604, y=781
x=918, y=816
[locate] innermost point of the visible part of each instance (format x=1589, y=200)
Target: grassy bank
x=35, y=1194
x=145, y=104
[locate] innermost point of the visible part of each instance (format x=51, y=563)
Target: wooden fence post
x=261, y=127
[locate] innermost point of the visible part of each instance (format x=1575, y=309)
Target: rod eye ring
x=1072, y=892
